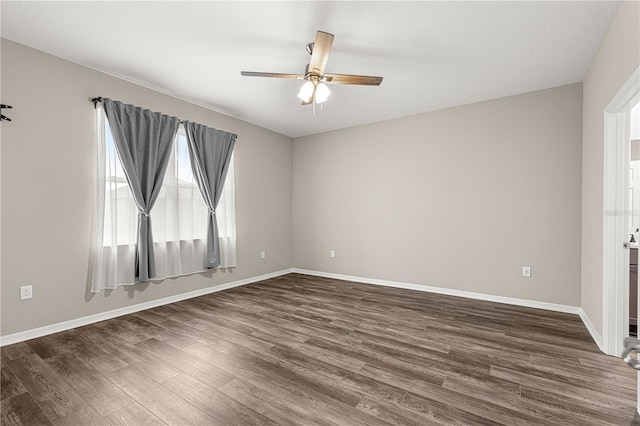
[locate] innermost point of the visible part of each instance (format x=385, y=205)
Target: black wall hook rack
x=2, y=116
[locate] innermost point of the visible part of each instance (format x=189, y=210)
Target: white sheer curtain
x=179, y=217
x=226, y=217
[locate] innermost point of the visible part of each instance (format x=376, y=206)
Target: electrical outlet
x=263, y=254
x=26, y=292
x=332, y=253
x=526, y=271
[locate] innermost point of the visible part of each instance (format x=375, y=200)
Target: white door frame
x=616, y=214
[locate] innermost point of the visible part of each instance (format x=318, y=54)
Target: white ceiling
x=432, y=55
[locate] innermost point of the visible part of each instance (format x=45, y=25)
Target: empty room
x=319, y=212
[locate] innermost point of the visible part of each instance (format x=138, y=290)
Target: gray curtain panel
x=143, y=140
x=210, y=152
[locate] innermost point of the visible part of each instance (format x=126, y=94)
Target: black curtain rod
x=99, y=99
x=2, y=116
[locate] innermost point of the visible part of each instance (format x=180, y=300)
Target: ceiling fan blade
x=270, y=74
x=312, y=97
x=365, y=80
x=320, y=53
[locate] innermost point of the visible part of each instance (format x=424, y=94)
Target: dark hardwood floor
x=305, y=350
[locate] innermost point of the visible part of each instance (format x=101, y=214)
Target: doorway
x=617, y=205
x=617, y=217
x=634, y=217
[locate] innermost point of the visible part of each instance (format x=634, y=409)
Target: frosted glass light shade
x=322, y=93
x=306, y=91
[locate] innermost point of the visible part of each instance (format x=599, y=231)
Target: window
x=179, y=198
x=178, y=218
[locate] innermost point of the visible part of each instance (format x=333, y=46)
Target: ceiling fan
x=315, y=89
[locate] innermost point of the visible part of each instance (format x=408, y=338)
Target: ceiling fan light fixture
x=322, y=93
x=306, y=91
x=314, y=90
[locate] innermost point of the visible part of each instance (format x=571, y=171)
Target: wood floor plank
x=133, y=356
x=15, y=351
x=245, y=323
x=392, y=413
x=309, y=378
x=62, y=404
x=481, y=404
x=224, y=409
x=585, y=412
x=604, y=396
x=230, y=335
x=133, y=415
x=10, y=386
x=52, y=345
x=277, y=410
x=117, y=327
x=40, y=380
x=292, y=324
x=164, y=404
x=426, y=371
x=333, y=358
x=574, y=368
x=187, y=363
x=85, y=417
x=298, y=349
x=94, y=388
x=22, y=410
x=287, y=388
x=151, y=316
x=518, y=407
x=413, y=410
x=87, y=343
x=400, y=342
x=200, y=336
x=355, y=382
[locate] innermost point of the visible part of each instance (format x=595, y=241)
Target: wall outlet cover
x=26, y=292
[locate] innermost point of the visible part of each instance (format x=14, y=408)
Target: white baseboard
x=471, y=295
x=79, y=322
x=447, y=291
x=592, y=330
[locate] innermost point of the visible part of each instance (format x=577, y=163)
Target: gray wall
x=617, y=58
x=459, y=198
x=47, y=172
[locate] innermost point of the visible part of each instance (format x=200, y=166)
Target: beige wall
x=459, y=198
x=617, y=58
x=47, y=163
